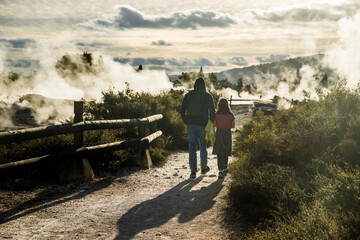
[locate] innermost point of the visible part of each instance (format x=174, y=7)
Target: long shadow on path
x=51, y=197
x=178, y=200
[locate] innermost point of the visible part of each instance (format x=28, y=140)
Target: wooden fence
x=78, y=127
x=232, y=100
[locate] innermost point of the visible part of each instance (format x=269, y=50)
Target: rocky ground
x=157, y=203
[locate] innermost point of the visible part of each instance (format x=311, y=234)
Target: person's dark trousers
x=196, y=134
x=222, y=161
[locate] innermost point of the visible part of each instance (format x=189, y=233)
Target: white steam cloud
x=288, y=89
x=2, y=60
x=345, y=55
x=22, y=95
x=49, y=83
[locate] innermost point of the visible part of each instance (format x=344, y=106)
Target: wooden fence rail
x=241, y=100
x=40, y=132
x=77, y=128
x=87, y=151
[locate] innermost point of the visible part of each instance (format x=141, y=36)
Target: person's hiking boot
x=193, y=175
x=204, y=171
x=222, y=174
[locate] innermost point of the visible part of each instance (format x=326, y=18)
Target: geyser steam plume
x=54, y=82
x=345, y=55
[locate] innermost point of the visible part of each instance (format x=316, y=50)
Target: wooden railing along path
x=78, y=127
x=232, y=100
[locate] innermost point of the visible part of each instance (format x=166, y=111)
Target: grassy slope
x=297, y=173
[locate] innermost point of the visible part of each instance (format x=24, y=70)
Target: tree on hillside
x=87, y=58
x=185, y=77
x=73, y=65
x=240, y=85
x=200, y=74
x=13, y=76
x=213, y=78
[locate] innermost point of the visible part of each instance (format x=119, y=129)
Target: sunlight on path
x=157, y=203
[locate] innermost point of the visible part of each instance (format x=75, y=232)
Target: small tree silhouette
x=87, y=58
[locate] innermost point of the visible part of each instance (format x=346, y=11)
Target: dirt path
x=157, y=203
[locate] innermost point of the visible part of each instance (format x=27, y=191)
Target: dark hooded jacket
x=198, y=105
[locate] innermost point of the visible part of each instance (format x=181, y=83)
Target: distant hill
x=289, y=69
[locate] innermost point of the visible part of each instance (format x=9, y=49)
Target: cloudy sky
x=172, y=35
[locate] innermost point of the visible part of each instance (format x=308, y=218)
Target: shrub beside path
x=157, y=203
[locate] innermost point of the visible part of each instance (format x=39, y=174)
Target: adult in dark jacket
x=196, y=109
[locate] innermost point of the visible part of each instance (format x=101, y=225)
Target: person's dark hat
x=200, y=84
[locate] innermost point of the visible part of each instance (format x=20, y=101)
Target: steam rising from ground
x=293, y=90
x=228, y=92
x=290, y=83
x=48, y=83
x=345, y=56
x=342, y=59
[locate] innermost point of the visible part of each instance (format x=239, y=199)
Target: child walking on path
x=223, y=122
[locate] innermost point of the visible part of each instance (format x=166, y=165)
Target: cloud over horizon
x=170, y=65
x=315, y=11
x=178, y=65
x=23, y=63
x=129, y=18
x=92, y=44
x=240, y=61
x=273, y=58
x=18, y=42
x=161, y=43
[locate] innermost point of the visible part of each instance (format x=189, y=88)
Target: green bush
x=34, y=148
x=266, y=191
x=333, y=213
x=310, y=223
x=126, y=104
x=297, y=173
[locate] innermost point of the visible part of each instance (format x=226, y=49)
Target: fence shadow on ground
x=180, y=200
x=51, y=197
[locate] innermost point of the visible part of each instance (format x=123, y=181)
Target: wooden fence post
x=78, y=117
x=78, y=168
x=153, y=112
x=143, y=155
x=141, y=128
